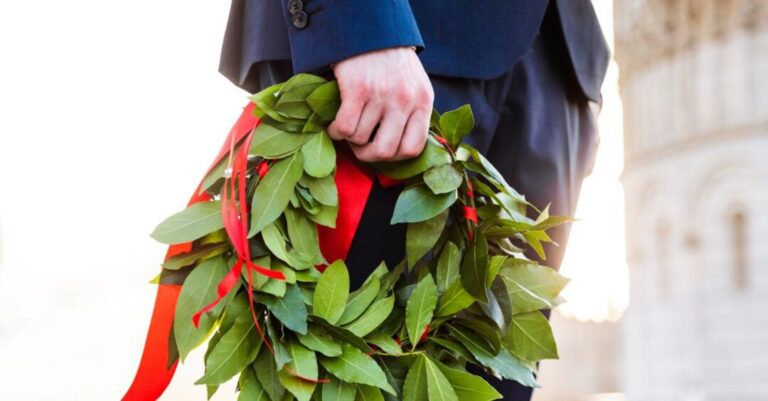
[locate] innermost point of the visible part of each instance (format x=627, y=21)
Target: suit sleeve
x=334, y=30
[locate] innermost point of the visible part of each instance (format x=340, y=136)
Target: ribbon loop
x=353, y=183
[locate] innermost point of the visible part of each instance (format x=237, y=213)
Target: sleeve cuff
x=338, y=29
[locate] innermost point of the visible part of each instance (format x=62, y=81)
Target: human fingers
x=372, y=113
x=352, y=102
x=387, y=139
x=415, y=135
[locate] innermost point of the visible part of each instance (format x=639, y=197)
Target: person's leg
x=545, y=142
x=376, y=240
x=531, y=124
x=544, y=145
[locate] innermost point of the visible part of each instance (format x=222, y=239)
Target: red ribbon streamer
x=262, y=169
x=470, y=213
x=354, y=185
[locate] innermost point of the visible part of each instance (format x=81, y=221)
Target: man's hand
x=386, y=88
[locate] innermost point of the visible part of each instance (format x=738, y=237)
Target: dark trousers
x=532, y=123
x=535, y=126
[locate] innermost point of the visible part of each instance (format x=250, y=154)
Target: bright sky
x=595, y=257
x=109, y=114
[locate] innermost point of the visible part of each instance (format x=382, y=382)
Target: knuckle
x=405, y=95
x=384, y=153
x=382, y=88
x=410, y=151
x=426, y=94
x=355, y=85
x=345, y=128
x=357, y=139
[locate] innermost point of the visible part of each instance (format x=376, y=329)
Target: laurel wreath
x=464, y=294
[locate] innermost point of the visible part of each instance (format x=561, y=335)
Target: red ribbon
x=262, y=169
x=470, y=213
x=354, y=185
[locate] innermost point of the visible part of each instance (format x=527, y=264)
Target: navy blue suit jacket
x=479, y=39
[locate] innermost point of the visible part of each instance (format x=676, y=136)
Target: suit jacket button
x=295, y=6
x=299, y=19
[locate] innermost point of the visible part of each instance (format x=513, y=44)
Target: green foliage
x=418, y=203
x=190, y=224
x=433, y=155
x=331, y=293
x=303, y=365
x=274, y=192
x=319, y=155
x=273, y=143
x=360, y=299
x=237, y=348
x=339, y=391
x=199, y=290
x=530, y=336
x=438, y=386
x=319, y=340
x=420, y=237
x=456, y=124
x=420, y=308
x=448, y=266
x=372, y=318
x=442, y=179
x=289, y=308
x=467, y=284
x=353, y=366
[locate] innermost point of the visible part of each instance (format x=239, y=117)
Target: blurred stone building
x=694, y=82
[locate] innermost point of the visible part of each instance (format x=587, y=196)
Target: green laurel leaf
x=319, y=155
x=530, y=285
x=273, y=193
x=443, y=178
x=530, y=337
x=318, y=339
x=373, y=317
x=504, y=363
x=474, y=267
x=323, y=189
x=415, y=385
x=417, y=203
x=453, y=300
x=250, y=388
x=368, y=393
x=267, y=374
x=273, y=143
x=289, y=309
x=421, y=236
x=199, y=290
x=434, y=154
x=420, y=308
x=456, y=124
x=438, y=386
x=338, y=390
x=197, y=254
x=235, y=350
x=360, y=299
x=303, y=363
x=331, y=292
x=467, y=385
x=448, y=266
x=353, y=366
x=385, y=343
x=190, y=224
x=325, y=101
